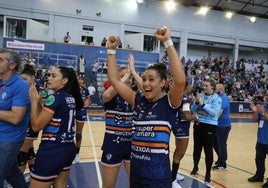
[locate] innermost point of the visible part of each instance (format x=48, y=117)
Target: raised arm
x=113, y=74
x=39, y=118
x=176, y=68
x=131, y=65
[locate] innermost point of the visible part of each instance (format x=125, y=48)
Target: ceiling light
x=253, y=19
x=139, y=1
x=170, y=5
x=203, y=10
x=229, y=15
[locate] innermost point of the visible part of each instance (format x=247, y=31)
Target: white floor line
x=95, y=154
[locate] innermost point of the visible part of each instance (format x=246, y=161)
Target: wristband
x=111, y=52
x=168, y=43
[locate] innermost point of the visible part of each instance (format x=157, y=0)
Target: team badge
x=108, y=156
x=50, y=100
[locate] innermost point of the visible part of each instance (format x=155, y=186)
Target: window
x=16, y=28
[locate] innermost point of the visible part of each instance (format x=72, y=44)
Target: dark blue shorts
x=181, y=130
x=49, y=163
x=114, y=159
x=144, y=182
x=81, y=115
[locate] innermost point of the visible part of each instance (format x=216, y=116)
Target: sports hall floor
x=241, y=158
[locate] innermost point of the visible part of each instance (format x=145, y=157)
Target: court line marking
x=94, y=154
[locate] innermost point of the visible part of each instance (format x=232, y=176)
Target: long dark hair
x=72, y=86
x=160, y=68
x=28, y=70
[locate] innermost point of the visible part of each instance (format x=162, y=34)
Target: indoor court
x=241, y=162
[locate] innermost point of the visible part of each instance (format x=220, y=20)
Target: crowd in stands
x=241, y=83
x=245, y=80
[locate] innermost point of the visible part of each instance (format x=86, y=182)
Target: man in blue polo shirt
x=260, y=115
x=14, y=117
x=222, y=130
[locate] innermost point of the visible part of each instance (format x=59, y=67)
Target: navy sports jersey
x=185, y=106
x=118, y=121
x=61, y=128
x=81, y=115
x=57, y=149
x=181, y=127
x=84, y=93
x=150, y=141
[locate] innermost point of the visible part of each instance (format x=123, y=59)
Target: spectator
x=94, y=70
x=82, y=65
x=222, y=130
x=14, y=118
x=67, y=38
x=260, y=115
x=104, y=41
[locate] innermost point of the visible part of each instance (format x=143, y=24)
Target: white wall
x=118, y=16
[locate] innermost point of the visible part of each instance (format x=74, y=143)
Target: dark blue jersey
x=61, y=127
x=118, y=121
x=150, y=142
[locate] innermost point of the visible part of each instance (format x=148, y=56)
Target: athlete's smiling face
x=56, y=81
x=152, y=85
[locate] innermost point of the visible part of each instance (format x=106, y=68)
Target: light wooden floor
x=241, y=154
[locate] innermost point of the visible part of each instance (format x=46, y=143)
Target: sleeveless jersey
x=118, y=121
x=150, y=142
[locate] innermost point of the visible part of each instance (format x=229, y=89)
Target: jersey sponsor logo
x=141, y=149
x=4, y=95
x=50, y=100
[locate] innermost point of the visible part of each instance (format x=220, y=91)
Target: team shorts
x=81, y=115
x=181, y=129
x=30, y=134
x=49, y=163
x=114, y=159
x=142, y=182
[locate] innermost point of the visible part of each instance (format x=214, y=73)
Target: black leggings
x=204, y=135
